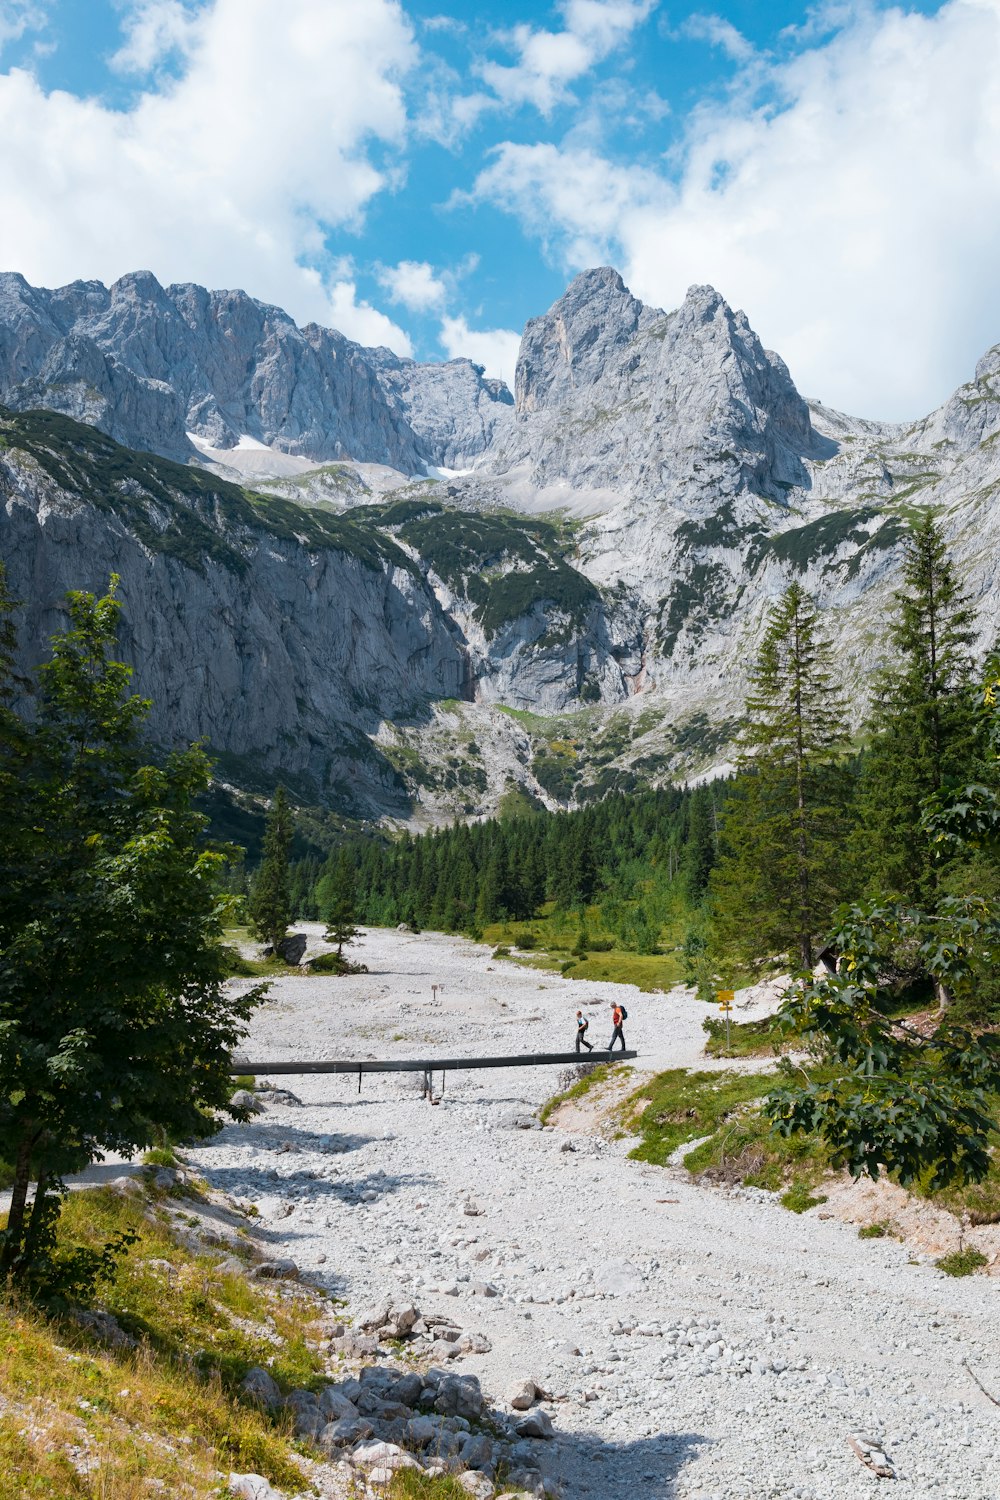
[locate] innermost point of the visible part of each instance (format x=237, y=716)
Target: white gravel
x=760, y=1341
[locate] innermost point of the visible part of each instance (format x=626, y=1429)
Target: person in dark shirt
x=581, y=1032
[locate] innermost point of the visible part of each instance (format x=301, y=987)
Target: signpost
x=726, y=998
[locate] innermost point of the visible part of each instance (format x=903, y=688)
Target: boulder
x=292, y=948
x=476, y=1485
x=280, y=1269
x=374, y=1456
x=344, y=1432
x=477, y=1452
x=335, y=1406
x=536, y=1424
x=252, y=1487
x=407, y=1389
x=521, y=1396
x=246, y=1103
x=459, y=1396
x=259, y=1386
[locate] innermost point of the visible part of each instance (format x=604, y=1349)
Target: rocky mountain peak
x=571, y=346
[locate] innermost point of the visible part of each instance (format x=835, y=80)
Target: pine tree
x=270, y=903
x=781, y=867
x=336, y=896
x=924, y=732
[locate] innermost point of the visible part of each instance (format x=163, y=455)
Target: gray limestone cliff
x=151, y=364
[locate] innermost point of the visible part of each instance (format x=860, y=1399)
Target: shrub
x=961, y=1262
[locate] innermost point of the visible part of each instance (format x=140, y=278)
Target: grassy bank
x=554, y=942
x=161, y=1412
x=720, y=1115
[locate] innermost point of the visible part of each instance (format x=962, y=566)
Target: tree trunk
x=943, y=996
x=35, y=1223
x=14, y=1237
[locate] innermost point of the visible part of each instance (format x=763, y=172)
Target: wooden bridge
x=427, y=1066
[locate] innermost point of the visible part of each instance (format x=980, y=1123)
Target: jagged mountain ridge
x=668, y=477
x=150, y=365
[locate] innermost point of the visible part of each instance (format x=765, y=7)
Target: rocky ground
x=695, y=1342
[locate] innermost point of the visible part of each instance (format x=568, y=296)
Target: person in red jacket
x=618, y=1015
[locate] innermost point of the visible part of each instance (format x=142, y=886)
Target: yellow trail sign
x=726, y=998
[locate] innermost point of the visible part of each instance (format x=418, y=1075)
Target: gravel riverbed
x=703, y=1343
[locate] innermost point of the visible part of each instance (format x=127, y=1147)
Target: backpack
x=624, y=1012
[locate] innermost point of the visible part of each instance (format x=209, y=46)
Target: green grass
x=962, y=1263
x=876, y=1231
x=746, y=1038
x=679, y=1106
x=599, y=1074
x=799, y=1200
x=166, y=1415
x=554, y=936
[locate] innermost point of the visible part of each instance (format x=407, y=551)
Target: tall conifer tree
x=924, y=731
x=270, y=897
x=780, y=868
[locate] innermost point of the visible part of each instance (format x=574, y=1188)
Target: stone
x=246, y=1103
x=343, y=1432
x=421, y=1431
x=282, y=1268
x=477, y=1452
x=104, y=1328
x=476, y=1485
x=459, y=1395
x=335, y=1405
x=292, y=948
x=373, y=1455
x=522, y=1395
x=252, y=1487
x=407, y=1389
x=261, y=1386
x=536, y=1424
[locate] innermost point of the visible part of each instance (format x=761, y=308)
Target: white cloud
x=413, y=284
x=17, y=17
x=362, y=322
x=493, y=348
x=574, y=200
x=230, y=174
x=855, y=215
x=154, y=29
x=721, y=33
x=549, y=61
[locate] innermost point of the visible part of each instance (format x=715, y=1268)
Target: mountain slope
x=573, y=605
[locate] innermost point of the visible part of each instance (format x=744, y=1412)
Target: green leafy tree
x=901, y=1102
x=270, y=903
x=923, y=733
x=336, y=896
x=781, y=865
x=115, y=1021
x=905, y=1102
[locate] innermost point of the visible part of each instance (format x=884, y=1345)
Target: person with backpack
x=618, y=1016
x=581, y=1032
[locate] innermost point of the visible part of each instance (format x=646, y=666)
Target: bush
x=336, y=963
x=961, y=1263
x=799, y=1200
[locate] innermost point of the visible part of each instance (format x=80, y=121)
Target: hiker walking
x=618, y=1015
x=581, y=1032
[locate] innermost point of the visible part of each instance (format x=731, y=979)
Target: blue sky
x=430, y=175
